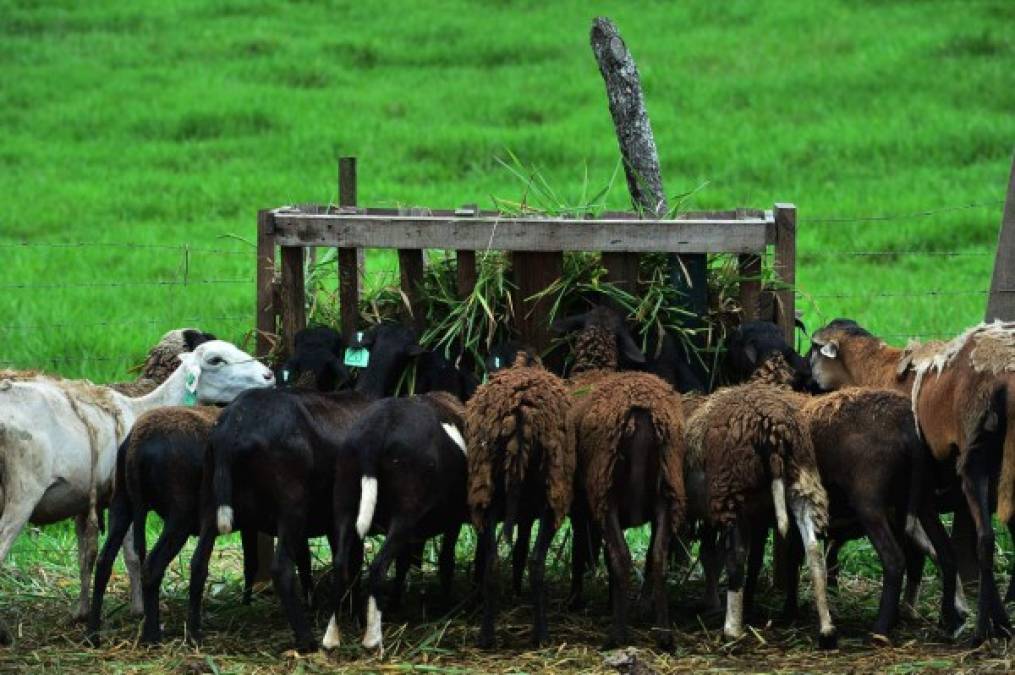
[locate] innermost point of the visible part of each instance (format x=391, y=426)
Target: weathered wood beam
x=348, y=260
x=520, y=234
x=1001, y=301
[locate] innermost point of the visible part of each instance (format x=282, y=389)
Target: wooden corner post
x=266, y=313
x=1001, y=301
x=348, y=260
x=785, y=268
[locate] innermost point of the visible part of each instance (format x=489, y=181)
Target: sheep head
x=605, y=322
x=838, y=352
x=752, y=345
x=390, y=346
x=217, y=372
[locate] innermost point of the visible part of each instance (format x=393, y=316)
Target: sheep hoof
x=5, y=637
x=664, y=639
x=879, y=640
x=486, y=640
x=540, y=639
x=828, y=640
x=151, y=639
x=577, y=603
x=307, y=646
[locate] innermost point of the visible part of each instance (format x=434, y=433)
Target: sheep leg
x=132, y=561
x=1010, y=595
x=446, y=562
x=16, y=512
x=248, y=537
x=711, y=564
x=755, y=558
x=952, y=615
x=170, y=542
x=537, y=577
x=735, y=556
x=402, y=564
x=892, y=566
x=119, y=526
x=658, y=555
x=290, y=548
x=585, y=544
x=803, y=514
x=341, y=553
x=832, y=561
x=199, y=575
x=794, y=556
x=992, y=619
x=520, y=554
x=487, y=581
x=395, y=546
x=87, y=531
x=618, y=560
x=915, y=555
x=304, y=570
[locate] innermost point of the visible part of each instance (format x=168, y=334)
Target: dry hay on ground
x=256, y=639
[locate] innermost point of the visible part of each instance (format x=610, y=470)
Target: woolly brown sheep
x=162, y=361
x=963, y=399
x=630, y=448
x=521, y=469
x=749, y=443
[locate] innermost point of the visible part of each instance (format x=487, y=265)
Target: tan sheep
x=963, y=399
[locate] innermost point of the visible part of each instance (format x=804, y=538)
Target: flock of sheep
x=209, y=442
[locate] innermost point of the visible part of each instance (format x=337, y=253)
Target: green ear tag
x=285, y=376
x=358, y=358
x=190, y=390
x=496, y=362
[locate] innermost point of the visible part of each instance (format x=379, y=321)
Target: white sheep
x=58, y=442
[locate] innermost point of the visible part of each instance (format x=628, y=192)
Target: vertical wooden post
x=1001, y=301
x=410, y=267
x=293, y=296
x=785, y=268
x=466, y=259
x=266, y=309
x=348, y=264
x=534, y=272
x=750, y=285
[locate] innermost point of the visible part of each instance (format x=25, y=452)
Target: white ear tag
x=829, y=350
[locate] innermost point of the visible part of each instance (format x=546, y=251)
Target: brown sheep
x=748, y=443
x=630, y=444
x=521, y=469
x=963, y=399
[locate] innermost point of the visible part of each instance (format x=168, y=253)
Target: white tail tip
x=779, y=500
x=225, y=519
x=374, y=636
x=452, y=431
x=367, y=504
x=332, y=637
x=733, y=628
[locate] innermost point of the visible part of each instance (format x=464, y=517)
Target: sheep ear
x=340, y=372
x=568, y=324
x=629, y=349
x=830, y=349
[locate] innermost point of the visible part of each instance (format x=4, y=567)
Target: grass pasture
x=137, y=141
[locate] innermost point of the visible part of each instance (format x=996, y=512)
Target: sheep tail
x=514, y=476
x=1006, y=482
x=368, y=487
x=918, y=466
x=222, y=488
x=772, y=451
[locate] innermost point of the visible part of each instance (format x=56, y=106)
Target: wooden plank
x=521, y=234
x=266, y=307
x=410, y=267
x=293, y=296
x=1001, y=300
x=785, y=267
x=534, y=272
x=348, y=258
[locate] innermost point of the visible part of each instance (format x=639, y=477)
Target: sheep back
x=602, y=415
x=539, y=399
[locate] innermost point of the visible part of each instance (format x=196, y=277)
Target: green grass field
x=138, y=140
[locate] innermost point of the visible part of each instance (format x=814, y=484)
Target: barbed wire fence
x=207, y=276
x=182, y=275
